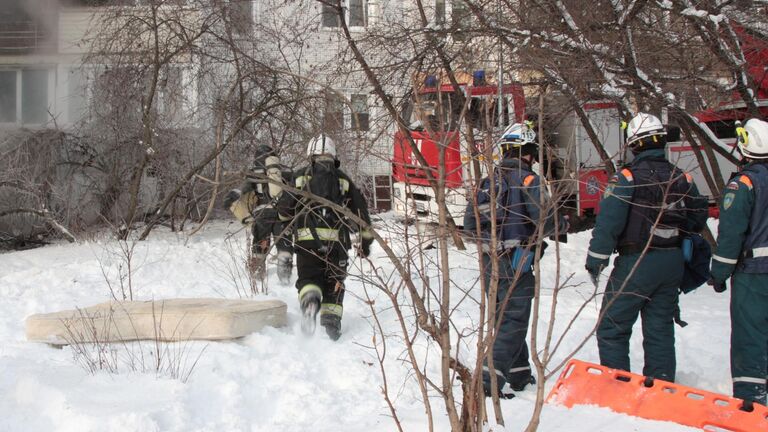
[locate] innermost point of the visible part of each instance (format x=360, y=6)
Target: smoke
x=10, y=8
x=39, y=17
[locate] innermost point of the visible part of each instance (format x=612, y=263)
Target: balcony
x=25, y=37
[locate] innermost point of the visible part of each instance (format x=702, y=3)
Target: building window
x=34, y=96
x=378, y=191
x=24, y=96
x=329, y=17
x=170, y=102
x=460, y=15
x=8, y=96
x=355, y=14
x=116, y=93
x=101, y=92
x=333, y=119
x=77, y=91
x=359, y=112
x=241, y=17
x=440, y=11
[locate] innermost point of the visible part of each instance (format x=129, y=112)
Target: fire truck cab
x=437, y=117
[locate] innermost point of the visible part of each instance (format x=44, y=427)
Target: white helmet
x=752, y=139
x=518, y=134
x=321, y=144
x=644, y=125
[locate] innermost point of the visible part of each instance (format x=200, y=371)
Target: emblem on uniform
x=609, y=190
x=728, y=200
x=733, y=186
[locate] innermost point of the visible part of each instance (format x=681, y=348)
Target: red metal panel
x=406, y=167
x=600, y=105
x=591, y=186
x=755, y=52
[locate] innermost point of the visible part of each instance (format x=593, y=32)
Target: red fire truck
x=437, y=117
x=578, y=158
x=578, y=155
x=721, y=120
x=577, y=151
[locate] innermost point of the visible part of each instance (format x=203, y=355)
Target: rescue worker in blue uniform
x=646, y=210
x=322, y=234
x=742, y=255
x=518, y=208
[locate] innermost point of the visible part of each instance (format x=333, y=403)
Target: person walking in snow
x=253, y=203
x=742, y=255
x=517, y=190
x=322, y=234
x=646, y=210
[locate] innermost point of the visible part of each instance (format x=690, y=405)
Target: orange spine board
x=583, y=383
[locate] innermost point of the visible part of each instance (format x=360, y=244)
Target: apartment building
x=44, y=84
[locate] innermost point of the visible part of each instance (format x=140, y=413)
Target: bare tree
x=606, y=51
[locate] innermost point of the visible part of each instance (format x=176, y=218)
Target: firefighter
x=647, y=204
x=742, y=255
x=322, y=234
x=254, y=204
x=518, y=206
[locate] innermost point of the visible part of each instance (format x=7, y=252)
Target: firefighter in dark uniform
x=648, y=204
x=253, y=203
x=517, y=212
x=322, y=235
x=742, y=255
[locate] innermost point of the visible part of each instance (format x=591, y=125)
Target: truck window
x=483, y=112
x=723, y=128
x=673, y=133
x=437, y=111
x=442, y=111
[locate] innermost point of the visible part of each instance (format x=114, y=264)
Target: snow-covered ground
x=278, y=379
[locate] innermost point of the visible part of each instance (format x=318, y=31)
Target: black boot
x=502, y=395
x=332, y=324
x=519, y=383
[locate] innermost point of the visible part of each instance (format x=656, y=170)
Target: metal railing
x=24, y=37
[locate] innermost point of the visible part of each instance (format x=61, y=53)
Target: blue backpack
x=698, y=254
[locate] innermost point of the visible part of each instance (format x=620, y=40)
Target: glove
x=718, y=286
x=594, y=266
x=365, y=248
x=231, y=197
x=594, y=274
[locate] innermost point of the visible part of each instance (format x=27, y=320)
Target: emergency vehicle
x=579, y=156
x=437, y=117
x=580, y=161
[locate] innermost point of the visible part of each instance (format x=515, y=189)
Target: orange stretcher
x=583, y=383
